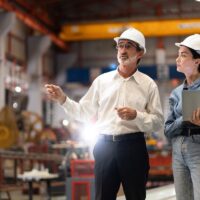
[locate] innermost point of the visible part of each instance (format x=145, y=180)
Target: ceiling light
x=197, y=0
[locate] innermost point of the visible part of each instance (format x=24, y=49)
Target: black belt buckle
x=189, y=132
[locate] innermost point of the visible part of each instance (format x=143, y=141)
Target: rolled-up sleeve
x=86, y=108
x=173, y=124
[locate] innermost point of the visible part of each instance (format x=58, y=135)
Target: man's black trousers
x=121, y=160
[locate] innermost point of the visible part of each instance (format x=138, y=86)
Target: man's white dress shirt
x=110, y=91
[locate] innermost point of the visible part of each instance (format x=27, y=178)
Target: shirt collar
x=135, y=76
x=194, y=85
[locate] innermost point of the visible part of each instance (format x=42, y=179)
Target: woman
x=185, y=135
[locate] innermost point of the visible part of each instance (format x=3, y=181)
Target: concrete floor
x=162, y=193
x=17, y=195
x=39, y=193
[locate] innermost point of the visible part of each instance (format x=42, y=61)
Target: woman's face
x=185, y=62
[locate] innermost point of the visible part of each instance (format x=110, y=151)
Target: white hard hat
x=133, y=35
x=192, y=41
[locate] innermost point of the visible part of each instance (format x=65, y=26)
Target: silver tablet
x=190, y=102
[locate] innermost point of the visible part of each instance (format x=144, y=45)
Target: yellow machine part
x=109, y=30
x=6, y=137
x=8, y=128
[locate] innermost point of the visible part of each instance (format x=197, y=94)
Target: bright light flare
x=18, y=89
x=89, y=134
x=65, y=122
x=15, y=105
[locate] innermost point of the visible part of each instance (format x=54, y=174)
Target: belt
x=190, y=131
x=122, y=137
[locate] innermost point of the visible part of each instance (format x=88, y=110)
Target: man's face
x=127, y=52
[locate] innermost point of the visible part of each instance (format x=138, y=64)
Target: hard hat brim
x=182, y=44
x=119, y=38
x=122, y=38
x=178, y=44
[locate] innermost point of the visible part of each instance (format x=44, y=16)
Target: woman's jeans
x=186, y=167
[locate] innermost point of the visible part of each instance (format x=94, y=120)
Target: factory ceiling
x=52, y=15
x=76, y=11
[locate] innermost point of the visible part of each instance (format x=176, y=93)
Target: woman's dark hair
x=195, y=55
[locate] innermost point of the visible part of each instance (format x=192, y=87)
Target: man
x=127, y=104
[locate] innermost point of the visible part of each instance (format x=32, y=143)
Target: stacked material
x=37, y=175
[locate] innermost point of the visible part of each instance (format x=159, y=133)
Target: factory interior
x=45, y=154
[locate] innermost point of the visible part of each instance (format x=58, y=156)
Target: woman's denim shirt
x=174, y=123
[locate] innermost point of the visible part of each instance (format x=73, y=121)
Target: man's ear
x=140, y=54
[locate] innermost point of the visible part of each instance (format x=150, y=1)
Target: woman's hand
x=196, y=117
x=126, y=113
x=55, y=93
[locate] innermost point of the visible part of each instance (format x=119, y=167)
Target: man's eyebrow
x=128, y=42
x=131, y=43
x=122, y=42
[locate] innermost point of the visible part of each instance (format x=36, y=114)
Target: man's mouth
x=124, y=57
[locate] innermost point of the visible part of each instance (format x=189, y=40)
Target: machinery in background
x=9, y=131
